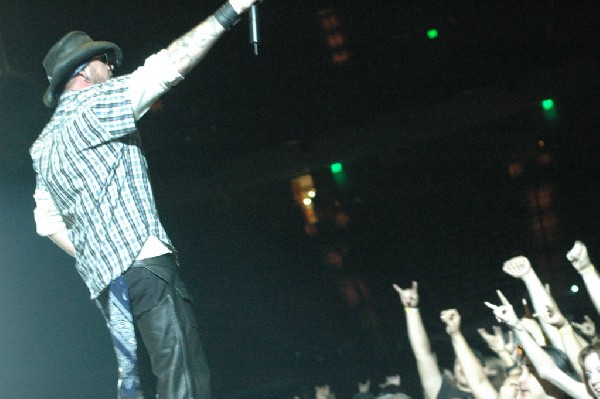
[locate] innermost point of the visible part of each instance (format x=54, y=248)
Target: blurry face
x=99, y=72
x=591, y=368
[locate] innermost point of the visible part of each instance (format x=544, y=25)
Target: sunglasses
x=102, y=58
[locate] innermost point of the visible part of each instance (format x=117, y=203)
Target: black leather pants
x=163, y=315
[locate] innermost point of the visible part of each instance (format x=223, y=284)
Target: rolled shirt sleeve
x=150, y=81
x=48, y=219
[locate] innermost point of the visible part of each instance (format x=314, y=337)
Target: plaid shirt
x=89, y=159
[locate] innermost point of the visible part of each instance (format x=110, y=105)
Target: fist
x=578, y=256
x=517, y=266
x=451, y=318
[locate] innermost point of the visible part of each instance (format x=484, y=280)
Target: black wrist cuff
x=226, y=16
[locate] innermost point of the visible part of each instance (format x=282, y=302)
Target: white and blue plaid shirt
x=90, y=161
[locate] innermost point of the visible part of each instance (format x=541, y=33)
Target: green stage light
x=432, y=34
x=548, y=104
x=336, y=168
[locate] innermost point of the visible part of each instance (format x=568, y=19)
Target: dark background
x=451, y=168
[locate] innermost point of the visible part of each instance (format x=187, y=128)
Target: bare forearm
x=541, y=299
x=546, y=368
x=476, y=378
x=592, y=282
x=537, y=292
x=572, y=346
x=429, y=372
x=187, y=51
x=417, y=334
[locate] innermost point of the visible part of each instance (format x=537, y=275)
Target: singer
x=94, y=199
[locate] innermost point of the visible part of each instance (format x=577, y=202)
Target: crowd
x=537, y=356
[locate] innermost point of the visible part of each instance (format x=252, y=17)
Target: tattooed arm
x=167, y=68
x=189, y=49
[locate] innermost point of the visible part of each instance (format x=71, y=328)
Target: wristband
x=588, y=269
x=410, y=309
x=226, y=16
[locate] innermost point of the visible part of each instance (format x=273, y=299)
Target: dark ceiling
x=441, y=210
x=235, y=102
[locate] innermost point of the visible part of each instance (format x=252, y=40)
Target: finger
x=398, y=289
x=491, y=306
x=415, y=286
x=497, y=330
x=484, y=334
x=502, y=298
x=511, y=338
x=587, y=318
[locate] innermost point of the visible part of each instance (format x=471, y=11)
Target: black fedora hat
x=67, y=54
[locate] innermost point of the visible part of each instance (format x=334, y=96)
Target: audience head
x=392, y=392
x=562, y=361
x=589, y=360
x=391, y=389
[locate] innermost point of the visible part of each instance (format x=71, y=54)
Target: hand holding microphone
x=229, y=14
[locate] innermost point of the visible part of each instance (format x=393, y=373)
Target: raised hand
x=409, y=296
x=494, y=341
x=587, y=327
x=578, y=256
x=517, y=266
x=451, y=318
x=241, y=5
x=552, y=315
x=504, y=313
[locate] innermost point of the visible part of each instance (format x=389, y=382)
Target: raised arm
x=531, y=324
x=429, y=372
x=166, y=69
x=505, y=351
x=579, y=258
x=519, y=267
x=473, y=370
x=542, y=362
x=571, y=342
x=520, y=383
x=186, y=51
x=587, y=328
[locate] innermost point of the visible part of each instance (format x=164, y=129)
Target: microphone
x=254, y=27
